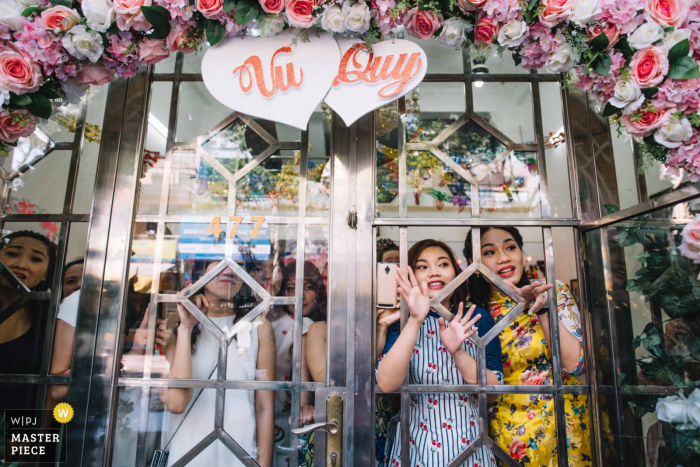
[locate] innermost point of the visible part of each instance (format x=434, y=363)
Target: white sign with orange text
x=272, y=79
x=367, y=80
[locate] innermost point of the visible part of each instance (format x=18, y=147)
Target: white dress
x=239, y=419
x=284, y=339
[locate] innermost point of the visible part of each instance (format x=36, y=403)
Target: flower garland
x=638, y=58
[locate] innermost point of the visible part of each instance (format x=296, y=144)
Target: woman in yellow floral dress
x=524, y=425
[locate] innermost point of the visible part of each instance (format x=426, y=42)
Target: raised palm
x=415, y=297
x=460, y=329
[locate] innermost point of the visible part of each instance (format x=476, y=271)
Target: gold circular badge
x=63, y=413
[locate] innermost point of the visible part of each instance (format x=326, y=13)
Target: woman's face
x=435, y=268
x=309, y=294
x=72, y=279
x=502, y=255
x=27, y=258
x=224, y=286
x=391, y=256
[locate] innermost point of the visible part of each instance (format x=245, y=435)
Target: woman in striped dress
x=434, y=352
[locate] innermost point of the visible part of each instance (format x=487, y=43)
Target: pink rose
x=58, y=18
x=645, y=120
x=299, y=13
x=92, y=73
x=555, y=11
x=649, y=66
x=181, y=38
x=153, y=51
x=666, y=12
x=486, y=30
x=611, y=31
x=422, y=23
x=210, y=8
x=15, y=125
x=17, y=73
x=272, y=6
x=471, y=5
x=129, y=14
x=690, y=246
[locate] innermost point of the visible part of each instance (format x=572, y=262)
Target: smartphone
x=387, y=288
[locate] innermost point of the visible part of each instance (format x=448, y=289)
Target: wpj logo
x=34, y=435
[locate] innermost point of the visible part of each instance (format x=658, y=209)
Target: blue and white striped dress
x=442, y=425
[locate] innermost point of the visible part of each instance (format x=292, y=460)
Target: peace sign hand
x=416, y=298
x=460, y=329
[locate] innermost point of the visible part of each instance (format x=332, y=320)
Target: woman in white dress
x=193, y=354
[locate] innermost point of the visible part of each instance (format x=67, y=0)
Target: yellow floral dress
x=524, y=424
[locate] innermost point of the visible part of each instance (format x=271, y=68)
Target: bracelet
x=542, y=310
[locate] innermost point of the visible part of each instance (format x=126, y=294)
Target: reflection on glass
x=42, y=188
x=272, y=187
x=508, y=107
x=556, y=150
x=235, y=145
x=472, y=147
x=191, y=121
x=387, y=168
x=512, y=188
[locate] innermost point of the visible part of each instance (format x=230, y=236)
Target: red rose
x=611, y=31
x=517, y=449
x=422, y=23
x=486, y=30
x=649, y=66
x=210, y=8
x=272, y=6
x=15, y=125
x=666, y=12
x=299, y=13
x=644, y=121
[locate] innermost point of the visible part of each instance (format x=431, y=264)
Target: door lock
x=352, y=220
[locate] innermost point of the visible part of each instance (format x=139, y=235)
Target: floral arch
x=638, y=58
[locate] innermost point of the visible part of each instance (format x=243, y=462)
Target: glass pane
x=556, y=151
x=501, y=65
x=41, y=189
x=441, y=59
x=512, y=188
x=508, y=107
x=625, y=169
x=193, y=61
x=387, y=169
x=472, y=147
x=271, y=188
x=191, y=121
x=434, y=107
x=198, y=189
x=578, y=432
x=318, y=184
x=61, y=126
x=167, y=65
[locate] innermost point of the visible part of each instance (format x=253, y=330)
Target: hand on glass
x=187, y=320
x=141, y=334
x=416, y=298
x=535, y=292
x=461, y=328
x=387, y=316
x=306, y=415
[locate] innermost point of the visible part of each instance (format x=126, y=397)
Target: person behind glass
x=529, y=432
x=193, y=354
x=30, y=256
x=282, y=319
x=437, y=353
x=72, y=277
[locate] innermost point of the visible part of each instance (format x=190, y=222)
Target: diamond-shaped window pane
x=29, y=151
x=235, y=145
x=201, y=189
x=472, y=147
x=435, y=187
x=271, y=188
x=512, y=188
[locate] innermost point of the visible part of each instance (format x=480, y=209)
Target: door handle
x=330, y=427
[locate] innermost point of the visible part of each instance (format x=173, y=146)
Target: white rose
x=11, y=14
x=271, y=26
x=74, y=90
x=628, y=96
x=513, y=33
x=332, y=19
x=674, y=133
x=29, y=3
x=356, y=16
x=563, y=59
x=583, y=11
x=645, y=35
x=99, y=14
x=674, y=37
x=452, y=34
x=83, y=44
x=680, y=411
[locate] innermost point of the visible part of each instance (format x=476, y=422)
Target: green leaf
x=517, y=58
x=649, y=92
x=215, y=32
x=624, y=47
x=610, y=110
x=533, y=5
x=669, y=29
x=229, y=5
x=159, y=17
x=684, y=68
x=66, y=3
x=113, y=28
x=611, y=208
x=678, y=51
x=602, y=64
x=33, y=10
x=39, y=106
x=16, y=100
x=600, y=43
x=247, y=11
x=262, y=15
x=201, y=23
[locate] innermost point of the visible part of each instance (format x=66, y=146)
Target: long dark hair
x=481, y=288
x=45, y=284
x=313, y=276
x=462, y=292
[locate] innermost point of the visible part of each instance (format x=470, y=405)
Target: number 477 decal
x=215, y=226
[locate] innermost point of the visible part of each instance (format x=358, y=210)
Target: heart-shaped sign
x=270, y=78
x=361, y=86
